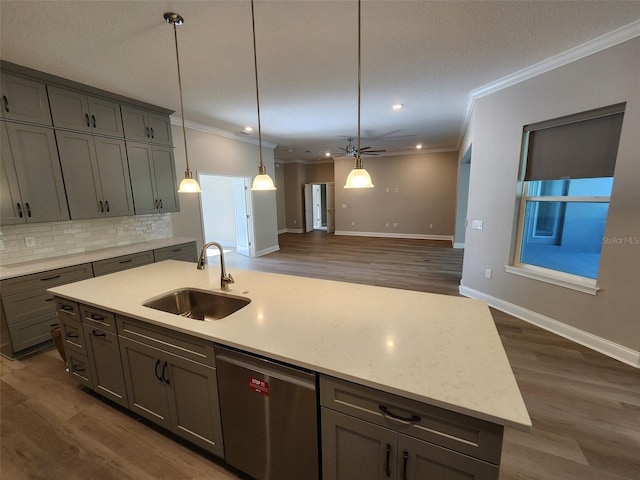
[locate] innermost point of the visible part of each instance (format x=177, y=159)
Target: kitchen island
x=442, y=352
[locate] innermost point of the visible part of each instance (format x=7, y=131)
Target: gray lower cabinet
x=185, y=252
x=96, y=175
x=368, y=434
x=29, y=312
x=124, y=262
x=75, y=110
x=32, y=188
x=24, y=100
x=103, y=354
x=177, y=393
x=153, y=178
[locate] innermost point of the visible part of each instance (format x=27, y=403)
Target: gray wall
x=216, y=154
x=414, y=191
x=604, y=78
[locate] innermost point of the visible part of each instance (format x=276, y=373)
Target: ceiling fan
x=351, y=150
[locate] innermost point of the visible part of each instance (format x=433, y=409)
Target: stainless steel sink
x=198, y=304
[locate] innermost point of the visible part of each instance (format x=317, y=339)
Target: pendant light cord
x=358, y=159
x=184, y=132
x=261, y=167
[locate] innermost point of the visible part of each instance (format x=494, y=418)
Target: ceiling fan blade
x=372, y=151
x=364, y=148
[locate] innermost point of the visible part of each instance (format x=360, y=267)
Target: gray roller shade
x=580, y=146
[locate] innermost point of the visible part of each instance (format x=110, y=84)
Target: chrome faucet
x=225, y=279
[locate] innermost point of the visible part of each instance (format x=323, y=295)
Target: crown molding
x=615, y=37
x=219, y=132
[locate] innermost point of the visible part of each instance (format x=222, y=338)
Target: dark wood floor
x=585, y=407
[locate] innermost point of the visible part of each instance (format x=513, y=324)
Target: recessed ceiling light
x=327, y=154
x=419, y=146
x=248, y=129
x=398, y=106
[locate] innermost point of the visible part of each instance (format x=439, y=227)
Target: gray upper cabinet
x=96, y=174
x=24, y=100
x=78, y=111
x=32, y=185
x=146, y=126
x=153, y=178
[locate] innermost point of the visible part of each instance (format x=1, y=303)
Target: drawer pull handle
x=93, y=117
x=153, y=135
x=66, y=308
x=6, y=103
x=77, y=368
x=101, y=207
x=86, y=119
x=126, y=261
x=164, y=371
x=388, y=413
x=46, y=279
x=98, y=334
x=28, y=209
x=20, y=214
x=98, y=318
x=71, y=335
x=156, y=370
x=176, y=250
x=387, y=466
x=405, y=460
x=53, y=325
x=49, y=299
x=106, y=203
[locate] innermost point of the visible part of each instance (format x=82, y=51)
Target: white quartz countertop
x=36, y=266
x=437, y=349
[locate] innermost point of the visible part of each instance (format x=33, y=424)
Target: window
x=566, y=178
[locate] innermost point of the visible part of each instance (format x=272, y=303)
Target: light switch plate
x=477, y=224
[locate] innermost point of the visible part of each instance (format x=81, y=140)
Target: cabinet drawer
x=98, y=318
x=187, y=346
x=32, y=332
x=452, y=430
x=67, y=309
x=72, y=336
x=79, y=368
x=48, y=279
x=110, y=265
x=185, y=252
x=26, y=305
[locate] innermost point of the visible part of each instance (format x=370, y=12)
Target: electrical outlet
x=353, y=224
x=294, y=222
x=395, y=225
x=119, y=230
x=386, y=224
x=477, y=224
x=487, y=273
x=431, y=225
x=30, y=241
x=2, y=245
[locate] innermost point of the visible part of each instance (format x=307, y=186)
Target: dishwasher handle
x=265, y=367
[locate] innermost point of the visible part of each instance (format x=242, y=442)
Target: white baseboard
x=284, y=230
x=419, y=236
x=292, y=230
x=266, y=251
x=458, y=245
x=599, y=344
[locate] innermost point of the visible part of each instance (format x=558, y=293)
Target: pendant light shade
x=262, y=181
x=189, y=184
x=358, y=177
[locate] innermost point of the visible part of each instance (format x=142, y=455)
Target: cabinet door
x=11, y=208
x=105, y=117
x=37, y=166
x=136, y=123
x=353, y=449
x=105, y=364
x=24, y=100
x=193, y=402
x=82, y=177
x=113, y=167
x=165, y=176
x=418, y=460
x=146, y=391
x=160, y=128
x=142, y=178
x=69, y=109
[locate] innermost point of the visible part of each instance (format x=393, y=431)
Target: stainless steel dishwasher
x=269, y=417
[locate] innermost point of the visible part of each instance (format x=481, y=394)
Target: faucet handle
x=229, y=278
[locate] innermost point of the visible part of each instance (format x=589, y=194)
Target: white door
x=331, y=208
x=308, y=207
x=241, y=216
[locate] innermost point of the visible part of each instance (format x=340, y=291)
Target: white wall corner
x=266, y=251
x=599, y=344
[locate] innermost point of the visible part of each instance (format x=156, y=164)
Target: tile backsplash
x=54, y=239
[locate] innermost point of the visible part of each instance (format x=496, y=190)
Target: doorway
x=319, y=207
x=226, y=212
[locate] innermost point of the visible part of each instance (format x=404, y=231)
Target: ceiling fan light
x=358, y=178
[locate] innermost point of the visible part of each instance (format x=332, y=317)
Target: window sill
x=573, y=282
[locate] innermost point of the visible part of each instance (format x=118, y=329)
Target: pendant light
x=358, y=177
x=262, y=181
x=189, y=184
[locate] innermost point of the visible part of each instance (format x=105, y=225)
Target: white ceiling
x=428, y=55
